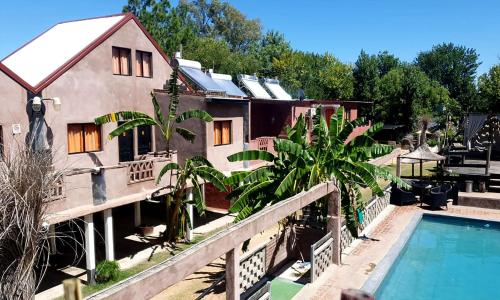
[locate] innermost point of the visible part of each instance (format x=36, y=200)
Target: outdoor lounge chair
x=401, y=196
x=436, y=198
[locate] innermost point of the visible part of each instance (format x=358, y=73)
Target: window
x=222, y=132
x=84, y=138
x=121, y=61
x=143, y=64
x=348, y=114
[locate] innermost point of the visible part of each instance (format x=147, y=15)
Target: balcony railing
x=264, y=143
x=139, y=171
x=57, y=190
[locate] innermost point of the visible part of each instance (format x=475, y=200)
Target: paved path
x=358, y=265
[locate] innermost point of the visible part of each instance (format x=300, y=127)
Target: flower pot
x=145, y=230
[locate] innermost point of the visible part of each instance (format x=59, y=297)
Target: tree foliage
x=489, y=89
x=299, y=165
x=455, y=68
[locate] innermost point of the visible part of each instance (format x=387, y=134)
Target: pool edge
x=375, y=279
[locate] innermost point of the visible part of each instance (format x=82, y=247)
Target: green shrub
x=106, y=271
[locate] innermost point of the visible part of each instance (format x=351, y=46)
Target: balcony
x=82, y=191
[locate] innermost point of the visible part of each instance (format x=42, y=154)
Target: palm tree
x=167, y=124
x=194, y=169
x=298, y=166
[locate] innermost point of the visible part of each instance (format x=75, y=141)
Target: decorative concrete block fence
x=372, y=210
x=154, y=280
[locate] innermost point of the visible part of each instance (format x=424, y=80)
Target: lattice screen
x=321, y=256
x=252, y=269
x=140, y=170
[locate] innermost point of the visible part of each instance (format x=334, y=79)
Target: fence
x=321, y=256
x=371, y=211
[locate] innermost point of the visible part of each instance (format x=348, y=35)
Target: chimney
x=177, y=55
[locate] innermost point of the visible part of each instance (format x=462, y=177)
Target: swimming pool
x=442, y=258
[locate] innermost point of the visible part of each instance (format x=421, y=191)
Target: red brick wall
x=214, y=198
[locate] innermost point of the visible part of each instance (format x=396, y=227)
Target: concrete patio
x=359, y=261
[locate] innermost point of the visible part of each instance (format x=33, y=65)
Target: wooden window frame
x=120, y=65
x=82, y=125
x=230, y=132
x=140, y=53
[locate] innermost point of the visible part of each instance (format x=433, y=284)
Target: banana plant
x=194, y=171
x=299, y=165
x=167, y=124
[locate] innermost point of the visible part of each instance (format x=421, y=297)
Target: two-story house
x=88, y=68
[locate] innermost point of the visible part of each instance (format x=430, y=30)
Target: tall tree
x=386, y=62
x=221, y=20
x=170, y=26
x=455, y=68
x=366, y=77
x=336, y=79
x=489, y=89
x=273, y=46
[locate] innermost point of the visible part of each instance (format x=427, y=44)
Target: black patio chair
x=436, y=198
x=400, y=196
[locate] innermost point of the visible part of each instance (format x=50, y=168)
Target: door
x=126, y=145
x=144, y=139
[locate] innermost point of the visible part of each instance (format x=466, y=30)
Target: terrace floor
x=361, y=259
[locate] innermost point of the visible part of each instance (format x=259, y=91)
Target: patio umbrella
x=422, y=153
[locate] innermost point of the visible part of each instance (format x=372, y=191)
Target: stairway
x=494, y=183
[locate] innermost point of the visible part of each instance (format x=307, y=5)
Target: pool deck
x=360, y=261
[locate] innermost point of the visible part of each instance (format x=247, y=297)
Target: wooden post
x=421, y=168
x=398, y=166
x=233, y=274
x=353, y=294
x=333, y=224
x=488, y=159
x=72, y=289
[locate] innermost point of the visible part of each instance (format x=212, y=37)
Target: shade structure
x=422, y=153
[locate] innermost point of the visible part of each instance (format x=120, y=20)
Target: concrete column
x=233, y=274
x=398, y=166
x=108, y=234
x=333, y=224
x=52, y=239
x=189, y=208
x=136, y=142
x=137, y=213
x=90, y=248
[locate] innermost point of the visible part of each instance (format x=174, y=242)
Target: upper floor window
x=222, y=132
x=84, y=138
x=121, y=61
x=143, y=62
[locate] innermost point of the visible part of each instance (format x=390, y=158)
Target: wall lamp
x=36, y=103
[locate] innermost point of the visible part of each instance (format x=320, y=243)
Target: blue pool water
x=446, y=258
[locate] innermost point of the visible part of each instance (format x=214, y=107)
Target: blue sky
x=343, y=28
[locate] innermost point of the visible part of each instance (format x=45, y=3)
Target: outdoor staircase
x=494, y=183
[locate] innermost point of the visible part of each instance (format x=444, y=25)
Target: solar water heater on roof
x=192, y=70
x=252, y=84
x=273, y=85
x=226, y=83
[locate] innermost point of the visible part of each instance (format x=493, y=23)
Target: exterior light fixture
x=36, y=103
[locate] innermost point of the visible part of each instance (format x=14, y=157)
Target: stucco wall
x=89, y=89
x=13, y=99
x=204, y=141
